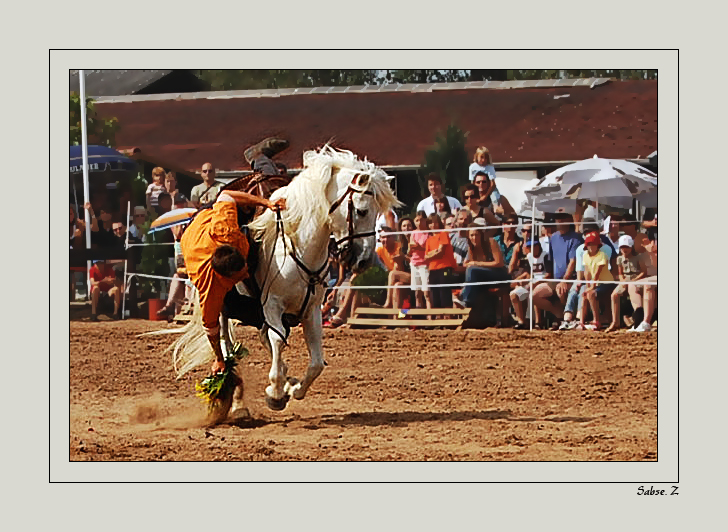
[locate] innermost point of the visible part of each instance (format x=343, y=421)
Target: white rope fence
x=506, y=281
x=523, y=281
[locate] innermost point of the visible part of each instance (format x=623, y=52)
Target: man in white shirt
x=434, y=185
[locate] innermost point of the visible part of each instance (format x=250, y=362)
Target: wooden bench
x=389, y=317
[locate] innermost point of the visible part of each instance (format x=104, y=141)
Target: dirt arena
x=385, y=395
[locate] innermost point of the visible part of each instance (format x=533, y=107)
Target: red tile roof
x=613, y=120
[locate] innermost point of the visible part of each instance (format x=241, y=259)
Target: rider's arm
x=211, y=303
x=243, y=198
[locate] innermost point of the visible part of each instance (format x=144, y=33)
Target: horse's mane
x=307, y=208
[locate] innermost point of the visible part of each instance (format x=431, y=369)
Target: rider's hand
x=280, y=203
x=217, y=367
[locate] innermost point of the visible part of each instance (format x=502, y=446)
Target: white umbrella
x=173, y=218
x=609, y=181
x=647, y=199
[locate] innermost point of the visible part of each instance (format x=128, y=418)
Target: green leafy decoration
x=218, y=388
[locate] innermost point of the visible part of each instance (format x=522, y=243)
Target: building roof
x=519, y=122
x=116, y=82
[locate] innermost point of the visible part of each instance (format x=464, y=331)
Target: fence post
x=131, y=260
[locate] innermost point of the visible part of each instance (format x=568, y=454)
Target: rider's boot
x=269, y=147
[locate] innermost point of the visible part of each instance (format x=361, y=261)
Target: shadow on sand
x=398, y=419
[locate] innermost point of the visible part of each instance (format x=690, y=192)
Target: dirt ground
x=385, y=395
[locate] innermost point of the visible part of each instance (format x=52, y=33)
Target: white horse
x=335, y=194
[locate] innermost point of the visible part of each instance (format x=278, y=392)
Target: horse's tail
x=192, y=348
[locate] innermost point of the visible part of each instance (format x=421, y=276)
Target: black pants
x=441, y=296
x=243, y=308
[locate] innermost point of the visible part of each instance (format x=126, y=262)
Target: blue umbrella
x=100, y=158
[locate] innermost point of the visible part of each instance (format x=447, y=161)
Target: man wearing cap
x=631, y=268
x=562, y=250
x=215, y=253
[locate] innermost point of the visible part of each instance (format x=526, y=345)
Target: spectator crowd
x=483, y=257
x=583, y=274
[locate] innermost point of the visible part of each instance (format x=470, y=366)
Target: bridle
x=349, y=217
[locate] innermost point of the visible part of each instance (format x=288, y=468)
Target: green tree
x=279, y=79
x=448, y=159
x=99, y=130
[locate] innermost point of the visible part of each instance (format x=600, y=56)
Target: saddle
x=260, y=185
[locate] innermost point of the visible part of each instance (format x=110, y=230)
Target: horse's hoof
x=239, y=413
x=276, y=404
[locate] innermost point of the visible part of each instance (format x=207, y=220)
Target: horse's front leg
x=312, y=331
x=276, y=393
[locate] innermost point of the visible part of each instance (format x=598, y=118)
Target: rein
x=314, y=278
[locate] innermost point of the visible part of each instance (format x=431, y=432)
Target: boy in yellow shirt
x=596, y=268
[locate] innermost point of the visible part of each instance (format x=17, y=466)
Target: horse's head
x=360, y=193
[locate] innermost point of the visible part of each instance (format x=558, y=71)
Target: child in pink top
x=418, y=266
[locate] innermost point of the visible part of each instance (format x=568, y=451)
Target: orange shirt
x=446, y=258
x=210, y=229
x=386, y=257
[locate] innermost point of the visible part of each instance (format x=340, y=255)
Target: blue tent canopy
x=100, y=158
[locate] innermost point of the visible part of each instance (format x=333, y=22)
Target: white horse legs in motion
x=335, y=194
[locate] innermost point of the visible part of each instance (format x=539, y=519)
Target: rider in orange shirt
x=215, y=253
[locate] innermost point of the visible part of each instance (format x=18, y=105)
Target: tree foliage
x=99, y=130
x=277, y=79
x=448, y=159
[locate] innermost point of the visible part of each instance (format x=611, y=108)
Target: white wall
x=513, y=183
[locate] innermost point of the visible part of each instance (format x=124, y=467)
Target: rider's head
x=227, y=261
